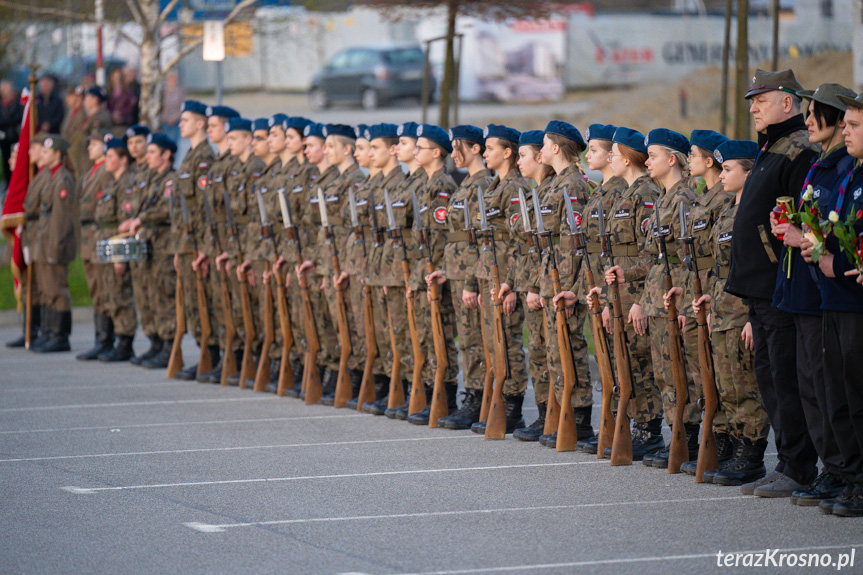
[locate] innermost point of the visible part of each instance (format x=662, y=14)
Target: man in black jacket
x=780, y=169
x=49, y=106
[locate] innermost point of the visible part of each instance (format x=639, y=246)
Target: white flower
x=833, y=217
x=808, y=194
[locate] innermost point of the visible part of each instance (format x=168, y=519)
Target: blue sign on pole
x=214, y=9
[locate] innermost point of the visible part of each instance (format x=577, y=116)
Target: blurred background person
x=173, y=97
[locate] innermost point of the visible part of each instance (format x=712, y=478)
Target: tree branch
x=237, y=9
x=117, y=28
x=54, y=12
x=138, y=15
x=179, y=56
x=166, y=12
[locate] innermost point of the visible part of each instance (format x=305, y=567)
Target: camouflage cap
x=764, y=81
x=828, y=94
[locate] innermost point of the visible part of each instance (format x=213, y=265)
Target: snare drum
x=122, y=249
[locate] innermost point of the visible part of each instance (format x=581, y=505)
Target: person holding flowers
x=797, y=283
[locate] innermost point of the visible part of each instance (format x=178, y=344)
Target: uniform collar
x=778, y=131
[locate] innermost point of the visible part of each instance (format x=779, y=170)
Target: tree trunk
x=726, y=48
x=448, y=66
x=776, y=10
x=150, y=102
x=741, y=105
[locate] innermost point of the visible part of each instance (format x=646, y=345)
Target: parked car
x=370, y=76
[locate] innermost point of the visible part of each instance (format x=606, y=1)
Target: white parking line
x=81, y=490
x=136, y=403
x=218, y=528
x=61, y=388
x=122, y=426
x=240, y=448
x=626, y=560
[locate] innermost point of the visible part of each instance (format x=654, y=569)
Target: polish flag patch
x=648, y=205
x=443, y=195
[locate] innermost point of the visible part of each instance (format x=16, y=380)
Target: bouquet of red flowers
x=849, y=241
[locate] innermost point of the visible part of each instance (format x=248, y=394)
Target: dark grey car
x=370, y=76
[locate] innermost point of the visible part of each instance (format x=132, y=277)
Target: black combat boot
x=479, y=427
x=216, y=372
x=188, y=373
x=122, y=352
x=45, y=330
x=589, y=446
x=826, y=486
x=660, y=459
x=534, y=430
x=513, y=404
x=746, y=465
x=60, y=326
x=234, y=380
x=851, y=506
x=583, y=427
x=724, y=450
x=298, y=380
x=35, y=323
x=422, y=417
x=161, y=359
x=273, y=385
x=467, y=414
x=329, y=381
x=155, y=347
x=404, y=407
x=104, y=338
x=382, y=390
x=356, y=381
x=827, y=505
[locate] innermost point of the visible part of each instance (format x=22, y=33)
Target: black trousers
x=843, y=378
x=775, y=361
x=810, y=381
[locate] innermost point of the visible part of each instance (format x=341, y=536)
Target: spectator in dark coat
x=11, y=112
x=49, y=106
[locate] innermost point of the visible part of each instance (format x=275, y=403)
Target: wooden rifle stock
x=395, y=377
x=247, y=366
x=678, y=452
x=367, y=387
x=343, y=381
x=311, y=378
x=495, y=427
x=28, y=311
x=229, y=362
x=175, y=363
x=205, y=362
x=440, y=404
x=621, y=446
x=567, y=434
x=606, y=372
x=488, y=380
x=262, y=377
x=552, y=410
x=418, y=400
x=286, y=372
x=708, y=458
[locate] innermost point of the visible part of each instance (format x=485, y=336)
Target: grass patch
x=77, y=285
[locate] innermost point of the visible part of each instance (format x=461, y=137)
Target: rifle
x=396, y=398
x=368, y=309
x=495, y=427
x=343, y=381
x=678, y=452
x=247, y=364
x=439, y=404
x=552, y=412
x=229, y=363
x=621, y=445
x=367, y=390
x=708, y=457
x=286, y=372
x=488, y=380
x=262, y=377
x=205, y=362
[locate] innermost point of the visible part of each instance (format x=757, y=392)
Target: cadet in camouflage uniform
x=340, y=147
x=154, y=280
x=117, y=277
x=383, y=149
x=666, y=163
x=57, y=247
x=432, y=148
x=92, y=184
x=136, y=143
x=459, y=263
x=192, y=177
x=502, y=209
x=215, y=194
x=562, y=146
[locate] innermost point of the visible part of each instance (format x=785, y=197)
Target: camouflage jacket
x=216, y=191
x=192, y=178
x=524, y=268
x=607, y=192
x=134, y=192
x=338, y=212
x=294, y=179
x=652, y=302
x=534, y=279
x=459, y=260
x=92, y=189
x=312, y=215
x=263, y=192
x=502, y=208
x=157, y=203
x=355, y=249
x=726, y=311
x=241, y=179
x=392, y=254
x=56, y=226
x=433, y=199
x=109, y=211
x=379, y=273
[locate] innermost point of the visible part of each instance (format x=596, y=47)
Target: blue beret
x=408, y=130
x=467, y=132
x=382, y=131
x=278, y=120
x=316, y=130
x=566, y=130
x=339, y=130
x=436, y=134
x=667, y=138
x=600, y=132
x=238, y=124
x=114, y=143
x=298, y=123
x=194, y=106
x=360, y=131
x=707, y=140
x=735, y=150
x=630, y=138
x=261, y=124
x=162, y=141
x=531, y=138
x=502, y=132
x=222, y=112
x=136, y=130
x=98, y=92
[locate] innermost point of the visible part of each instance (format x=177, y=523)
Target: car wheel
x=369, y=99
x=318, y=99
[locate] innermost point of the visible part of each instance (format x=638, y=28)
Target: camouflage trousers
x=215, y=290
x=582, y=393
x=396, y=318
x=513, y=328
x=662, y=372
x=467, y=324
x=94, y=274
x=739, y=399
x=119, y=300
x=258, y=268
x=328, y=356
x=53, y=282
x=537, y=361
x=359, y=346
x=154, y=284
x=426, y=335
x=237, y=310
x=646, y=401
x=295, y=311
x=190, y=301
x=384, y=362
x=356, y=359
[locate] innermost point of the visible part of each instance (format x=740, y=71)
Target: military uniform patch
x=440, y=215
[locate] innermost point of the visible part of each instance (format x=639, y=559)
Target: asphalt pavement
x=115, y=469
